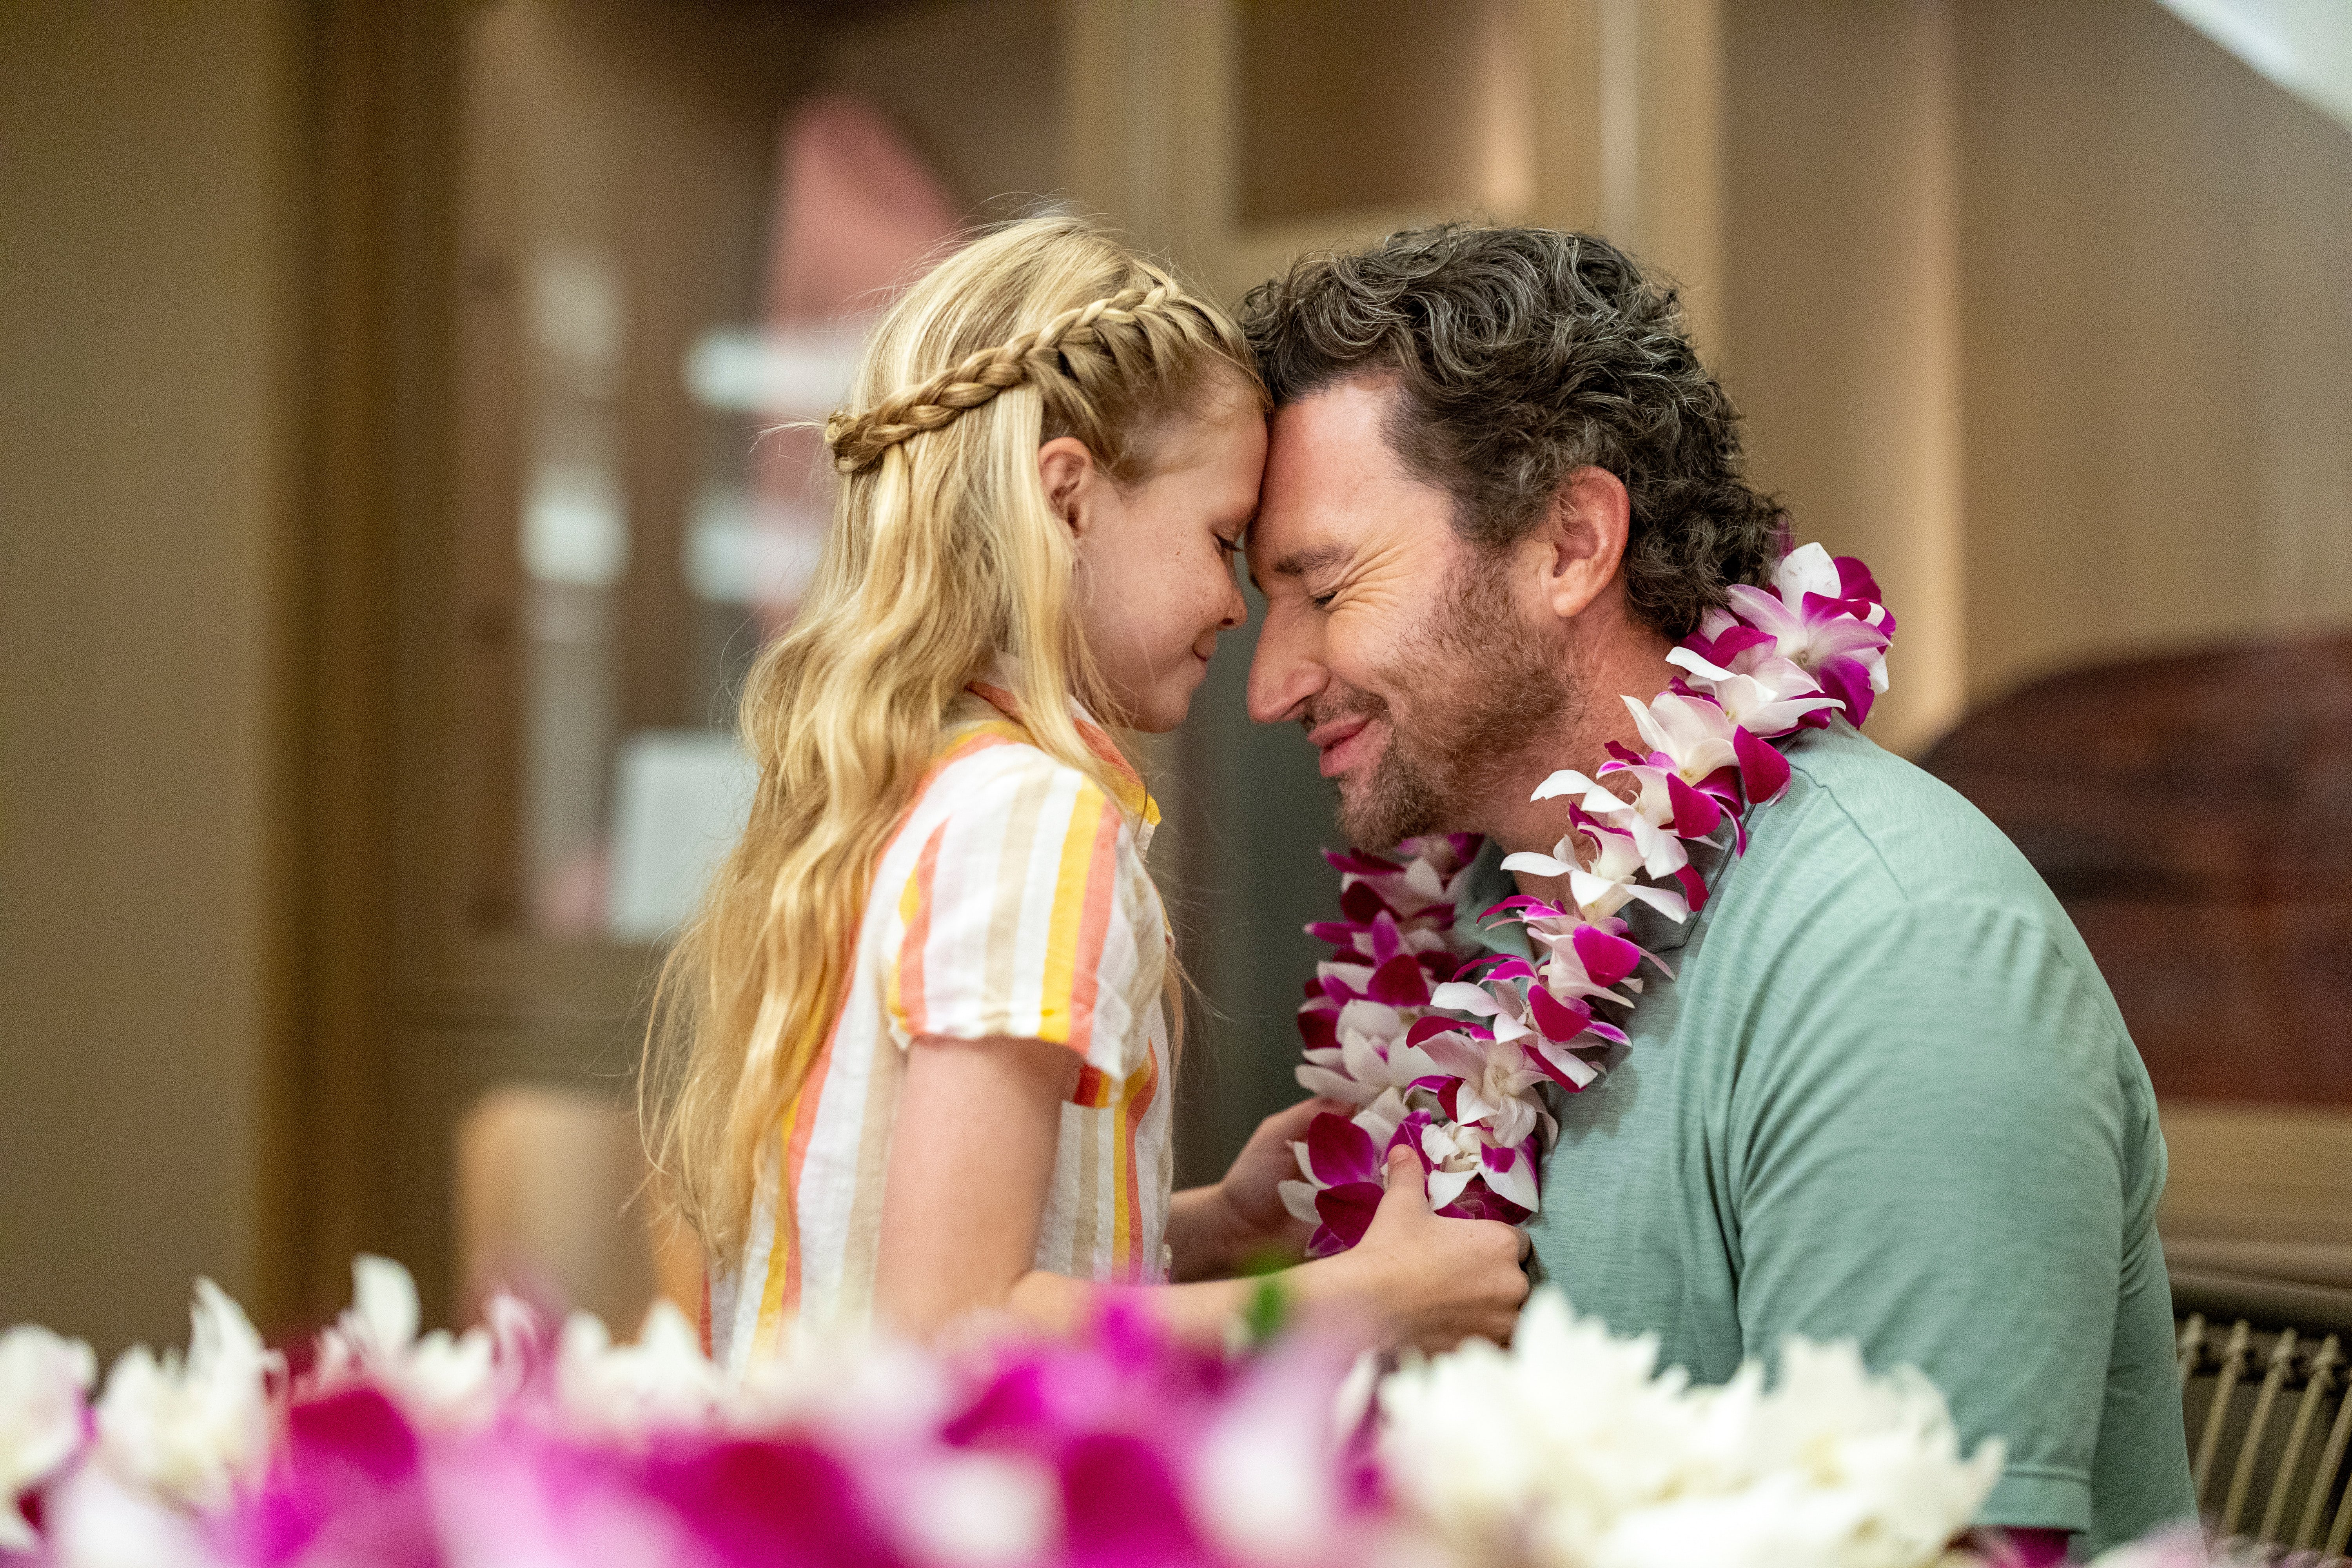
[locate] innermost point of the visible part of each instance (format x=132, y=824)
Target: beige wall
x=1843, y=338
x=2156, y=254
x=146, y=265
x=2047, y=311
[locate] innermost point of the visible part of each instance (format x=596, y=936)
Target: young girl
x=914, y=1056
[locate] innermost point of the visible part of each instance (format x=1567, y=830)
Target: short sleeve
x=1937, y=1159
x=1027, y=916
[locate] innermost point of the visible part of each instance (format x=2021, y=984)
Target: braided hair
x=1082, y=360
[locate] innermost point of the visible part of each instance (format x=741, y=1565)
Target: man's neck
x=1632, y=666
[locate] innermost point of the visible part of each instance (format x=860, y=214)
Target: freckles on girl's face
x=1156, y=579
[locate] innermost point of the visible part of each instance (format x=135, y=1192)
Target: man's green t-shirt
x=1887, y=1096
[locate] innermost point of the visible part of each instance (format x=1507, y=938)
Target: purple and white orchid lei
x=1446, y=1054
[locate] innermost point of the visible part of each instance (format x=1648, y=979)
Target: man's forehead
x=1331, y=477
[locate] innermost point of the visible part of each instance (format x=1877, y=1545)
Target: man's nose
x=1284, y=672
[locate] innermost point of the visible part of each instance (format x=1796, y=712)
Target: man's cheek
x=1351, y=651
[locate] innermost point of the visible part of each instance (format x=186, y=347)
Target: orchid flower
x=1459, y=1153
x=1823, y=616
x=1833, y=1468
x=438, y=1378
x=1776, y=698
x=662, y=1380
x=44, y=1418
x=1696, y=738
x=1548, y=1031
x=1372, y=1057
x=1341, y=1164
x=1608, y=883
x=1489, y=1082
x=1585, y=960
x=189, y=1428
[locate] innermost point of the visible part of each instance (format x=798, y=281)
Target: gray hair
x=1524, y=355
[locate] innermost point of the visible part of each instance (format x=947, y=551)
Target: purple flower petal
x=1347, y=1209
x=1360, y=904
x=1558, y=1020
x=1433, y=1025
x=1121, y=1503
x=1399, y=983
x=1339, y=1150
x=1606, y=958
x=1849, y=682
x=1763, y=772
x=1854, y=580
x=1696, y=815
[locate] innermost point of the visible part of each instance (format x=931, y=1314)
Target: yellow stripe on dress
x=1070, y=897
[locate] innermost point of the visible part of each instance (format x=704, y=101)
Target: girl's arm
x=971, y=1162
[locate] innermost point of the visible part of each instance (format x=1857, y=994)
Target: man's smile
x=1339, y=742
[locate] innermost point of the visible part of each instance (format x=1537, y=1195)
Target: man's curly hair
x=1525, y=354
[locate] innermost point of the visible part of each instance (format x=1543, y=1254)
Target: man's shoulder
x=1886, y=833
x=1875, y=892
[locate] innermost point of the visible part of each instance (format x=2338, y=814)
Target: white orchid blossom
x=1776, y=695
x=1494, y=1085
x=1460, y=1153
x=663, y=1380
x=1609, y=881
x=1570, y=1450
x=45, y=1384
x=1370, y=1058
x=441, y=1377
x=189, y=1428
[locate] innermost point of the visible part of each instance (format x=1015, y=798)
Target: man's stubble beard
x=1489, y=688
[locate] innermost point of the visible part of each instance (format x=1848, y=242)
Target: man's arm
x=1928, y=1156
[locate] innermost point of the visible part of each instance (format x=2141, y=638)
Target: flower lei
x=1449, y=1058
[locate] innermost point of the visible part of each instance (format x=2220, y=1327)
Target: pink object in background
x=857, y=213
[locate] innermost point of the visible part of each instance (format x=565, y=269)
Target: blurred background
x=385, y=518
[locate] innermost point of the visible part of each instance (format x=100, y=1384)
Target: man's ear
x=1068, y=470
x=1584, y=539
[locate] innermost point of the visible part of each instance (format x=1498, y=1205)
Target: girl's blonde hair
x=944, y=550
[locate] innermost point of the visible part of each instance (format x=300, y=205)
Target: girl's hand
x=1214, y=1231
x=1250, y=1196
x=1436, y=1280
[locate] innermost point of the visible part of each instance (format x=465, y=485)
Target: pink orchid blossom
x=1341, y=1166
x=1824, y=616
x=1487, y=1082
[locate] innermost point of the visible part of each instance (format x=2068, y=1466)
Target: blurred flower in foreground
x=519, y=1445
x=44, y=1418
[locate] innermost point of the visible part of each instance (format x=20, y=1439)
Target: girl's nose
x=1283, y=674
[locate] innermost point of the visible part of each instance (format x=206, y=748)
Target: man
x=1887, y=1094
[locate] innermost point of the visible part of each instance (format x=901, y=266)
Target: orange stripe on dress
x=812, y=1095
x=1126, y=1202
x=909, y=997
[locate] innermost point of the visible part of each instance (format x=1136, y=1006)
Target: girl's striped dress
x=1012, y=901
